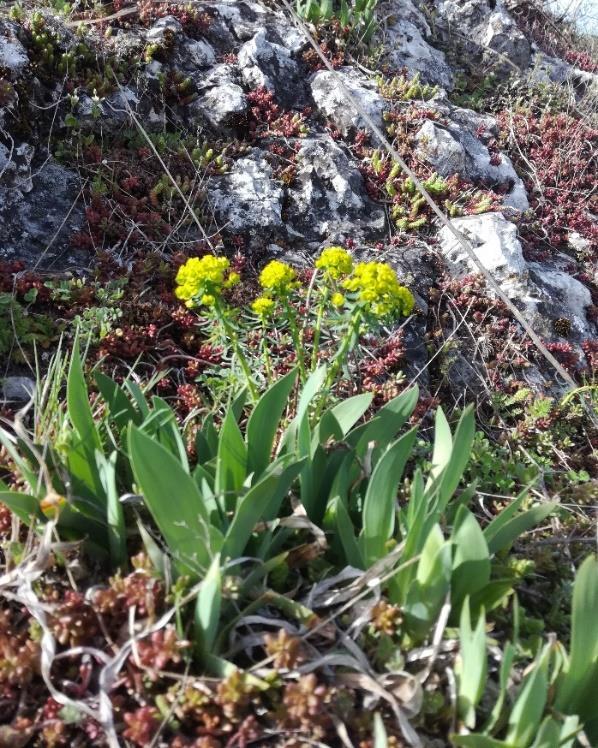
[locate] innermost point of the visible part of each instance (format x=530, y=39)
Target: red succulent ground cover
x=557, y=156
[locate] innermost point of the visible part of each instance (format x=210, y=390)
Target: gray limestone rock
x=331, y=100
x=247, y=199
x=264, y=63
x=36, y=226
x=454, y=150
x=13, y=55
x=327, y=199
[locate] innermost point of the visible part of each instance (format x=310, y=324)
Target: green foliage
x=21, y=329
x=404, y=88
x=384, y=506
x=557, y=695
x=358, y=15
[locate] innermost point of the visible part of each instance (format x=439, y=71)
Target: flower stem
x=346, y=346
x=297, y=338
x=266, y=352
x=234, y=339
x=318, y=329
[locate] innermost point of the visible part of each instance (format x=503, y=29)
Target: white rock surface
x=327, y=195
x=545, y=69
x=221, y=103
x=163, y=29
x=494, y=241
x=543, y=293
x=404, y=35
x=200, y=53
x=265, y=63
x=331, y=100
x=247, y=199
x=486, y=29
x=13, y=55
x=561, y=296
x=453, y=150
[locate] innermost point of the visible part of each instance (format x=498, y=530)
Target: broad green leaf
x=120, y=408
x=259, y=501
x=24, y=506
x=346, y=533
x=206, y=441
x=238, y=404
x=579, y=684
x=344, y=13
x=81, y=462
x=508, y=656
x=472, y=668
x=349, y=411
x=477, y=740
x=311, y=388
x=168, y=434
x=492, y=595
x=231, y=465
x=387, y=423
x=505, y=516
x=443, y=448
x=117, y=531
x=459, y=457
x=327, y=429
x=174, y=502
x=471, y=558
x=32, y=476
x=78, y=403
x=264, y=421
x=430, y=586
x=528, y=709
x=412, y=529
x=379, y=508
x=140, y=399
x=207, y=609
x=553, y=734
x=326, y=10
x=160, y=560
x=504, y=538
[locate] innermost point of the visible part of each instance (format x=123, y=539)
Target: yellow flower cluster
x=336, y=262
x=337, y=300
x=202, y=280
x=378, y=289
x=278, y=278
x=263, y=307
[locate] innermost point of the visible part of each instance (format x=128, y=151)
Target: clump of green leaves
x=404, y=88
x=358, y=15
x=21, y=329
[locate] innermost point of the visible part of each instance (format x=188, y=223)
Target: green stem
x=234, y=339
x=266, y=352
x=345, y=348
x=318, y=329
x=297, y=338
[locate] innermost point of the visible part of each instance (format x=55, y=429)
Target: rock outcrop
x=281, y=157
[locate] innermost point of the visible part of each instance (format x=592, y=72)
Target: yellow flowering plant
x=378, y=291
x=343, y=300
x=334, y=264
x=202, y=282
x=263, y=308
x=376, y=295
x=279, y=280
